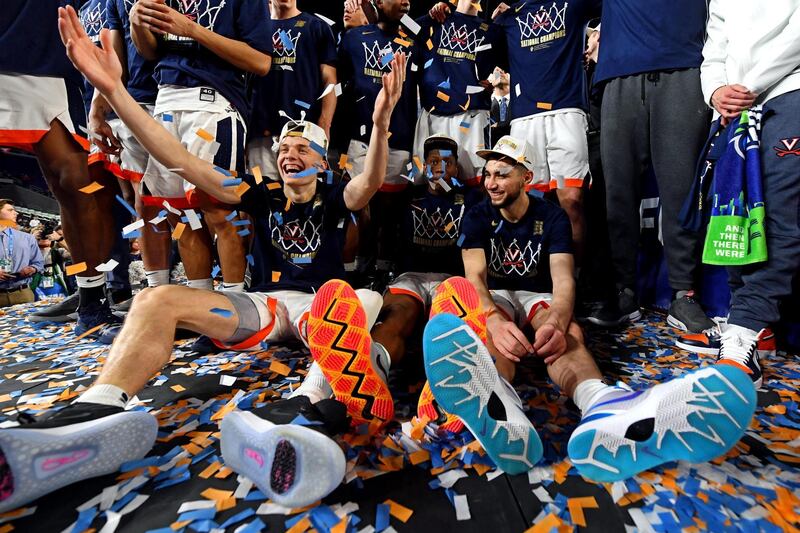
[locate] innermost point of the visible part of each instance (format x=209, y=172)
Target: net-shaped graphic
x=296, y=237
x=374, y=55
x=437, y=225
x=93, y=21
x=204, y=12
x=284, y=43
x=543, y=22
x=460, y=38
x=514, y=260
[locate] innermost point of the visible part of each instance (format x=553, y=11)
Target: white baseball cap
x=308, y=131
x=509, y=147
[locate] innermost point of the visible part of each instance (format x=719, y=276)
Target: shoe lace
x=735, y=348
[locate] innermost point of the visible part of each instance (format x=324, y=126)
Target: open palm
x=392, y=88
x=100, y=65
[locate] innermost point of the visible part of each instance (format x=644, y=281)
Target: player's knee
x=156, y=299
x=575, y=334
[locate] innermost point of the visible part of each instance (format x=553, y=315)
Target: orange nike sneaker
x=341, y=344
x=455, y=296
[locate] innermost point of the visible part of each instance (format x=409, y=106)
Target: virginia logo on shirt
x=459, y=42
x=94, y=20
x=545, y=25
x=436, y=229
x=296, y=238
x=204, y=12
x=285, y=45
x=376, y=56
x=513, y=260
x=789, y=147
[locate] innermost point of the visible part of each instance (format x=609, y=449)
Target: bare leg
x=144, y=345
x=571, y=201
x=86, y=218
x=230, y=245
x=155, y=241
x=395, y=323
x=195, y=248
x=576, y=365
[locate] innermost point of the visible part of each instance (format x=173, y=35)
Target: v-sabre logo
x=790, y=147
x=49, y=464
x=545, y=25
x=94, y=20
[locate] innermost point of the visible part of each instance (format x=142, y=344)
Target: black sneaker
x=610, y=315
x=686, y=314
x=293, y=465
x=81, y=441
x=121, y=309
x=64, y=311
x=204, y=345
x=738, y=347
x=327, y=416
x=95, y=317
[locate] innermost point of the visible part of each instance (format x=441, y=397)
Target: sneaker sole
x=677, y=324
x=723, y=400
x=72, y=317
x=340, y=343
x=632, y=317
x=292, y=465
x=705, y=350
x=35, y=462
x=464, y=380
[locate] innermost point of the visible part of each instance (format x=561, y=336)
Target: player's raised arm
x=361, y=188
x=102, y=68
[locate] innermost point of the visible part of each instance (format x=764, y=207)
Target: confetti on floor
x=396, y=480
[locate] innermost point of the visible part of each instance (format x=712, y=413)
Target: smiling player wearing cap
x=298, y=242
x=517, y=254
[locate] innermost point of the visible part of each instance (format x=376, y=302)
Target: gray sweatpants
x=758, y=288
x=657, y=118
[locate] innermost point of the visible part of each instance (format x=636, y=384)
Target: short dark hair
x=440, y=143
x=4, y=202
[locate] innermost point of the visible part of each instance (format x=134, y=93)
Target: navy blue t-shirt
x=187, y=64
x=518, y=253
x=301, y=45
x=301, y=246
x=430, y=228
x=141, y=83
x=545, y=42
x=462, y=53
x=651, y=36
x=94, y=17
x=363, y=58
x=29, y=39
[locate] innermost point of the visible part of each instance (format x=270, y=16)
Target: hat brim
x=487, y=155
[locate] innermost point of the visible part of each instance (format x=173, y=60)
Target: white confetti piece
x=363, y=130
x=195, y=505
x=449, y=478
x=462, y=507
x=411, y=24
x=133, y=226
x=169, y=208
x=194, y=220
x=227, y=381
x=517, y=90
x=112, y=521
x=272, y=508
x=543, y=495
x=108, y=496
x=327, y=91
x=134, y=504
x=641, y=521
x=474, y=89
x=328, y=21
x=496, y=473
x=483, y=48
x=243, y=489
x=443, y=184
x=108, y=266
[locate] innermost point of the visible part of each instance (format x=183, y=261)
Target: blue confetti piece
x=464, y=125
x=85, y=518
x=329, y=177
x=126, y=205
x=295, y=519
x=302, y=104
x=317, y=148
x=497, y=230
x=445, y=153
x=254, y=496
x=223, y=171
x=198, y=514
x=244, y=222
x=323, y=518
x=135, y=234
x=232, y=182
x=232, y=215
x=166, y=117
x=353, y=218
x=307, y=172
x=445, y=84
x=386, y=59
x=250, y=260
x=173, y=481
x=224, y=313
x=238, y=517
x=300, y=420
x=204, y=526
x=243, y=233
x=278, y=217
x=381, y=517
x=428, y=63
x=215, y=271
x=302, y=260
x=286, y=40
x=255, y=526
x=461, y=240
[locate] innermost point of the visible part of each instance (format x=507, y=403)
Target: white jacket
x=755, y=43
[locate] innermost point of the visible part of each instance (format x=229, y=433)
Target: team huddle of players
x=485, y=261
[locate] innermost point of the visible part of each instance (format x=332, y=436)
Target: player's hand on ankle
x=510, y=341
x=550, y=343
x=101, y=66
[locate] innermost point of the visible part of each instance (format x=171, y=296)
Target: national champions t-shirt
x=518, y=253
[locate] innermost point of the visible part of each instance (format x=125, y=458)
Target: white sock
x=207, y=284
x=157, y=278
x=383, y=354
x=315, y=386
x=89, y=282
x=590, y=391
x=233, y=287
x=105, y=395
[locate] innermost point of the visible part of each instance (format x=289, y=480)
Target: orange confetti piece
x=274, y=185
x=203, y=134
x=300, y=526
x=288, y=205
x=256, y=170
x=76, y=269
x=342, y=161
x=276, y=276
x=576, y=506
x=242, y=188
x=177, y=526
x=466, y=106
x=178, y=388
x=178, y=231
x=279, y=368
x=545, y=524
x=544, y=105
x=776, y=409
x=441, y=96
x=398, y=511
x=402, y=42
x=429, y=44
x=341, y=527
x=216, y=494
x=419, y=456
x=93, y=187
x=210, y=470
x=6, y=528
x=224, y=505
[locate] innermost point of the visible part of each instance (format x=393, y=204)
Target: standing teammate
x=41, y=112
x=303, y=68
x=205, y=52
x=299, y=233
x=548, y=102
x=517, y=254
x=458, y=55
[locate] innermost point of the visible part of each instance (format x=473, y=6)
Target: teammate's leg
x=395, y=324
x=230, y=245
